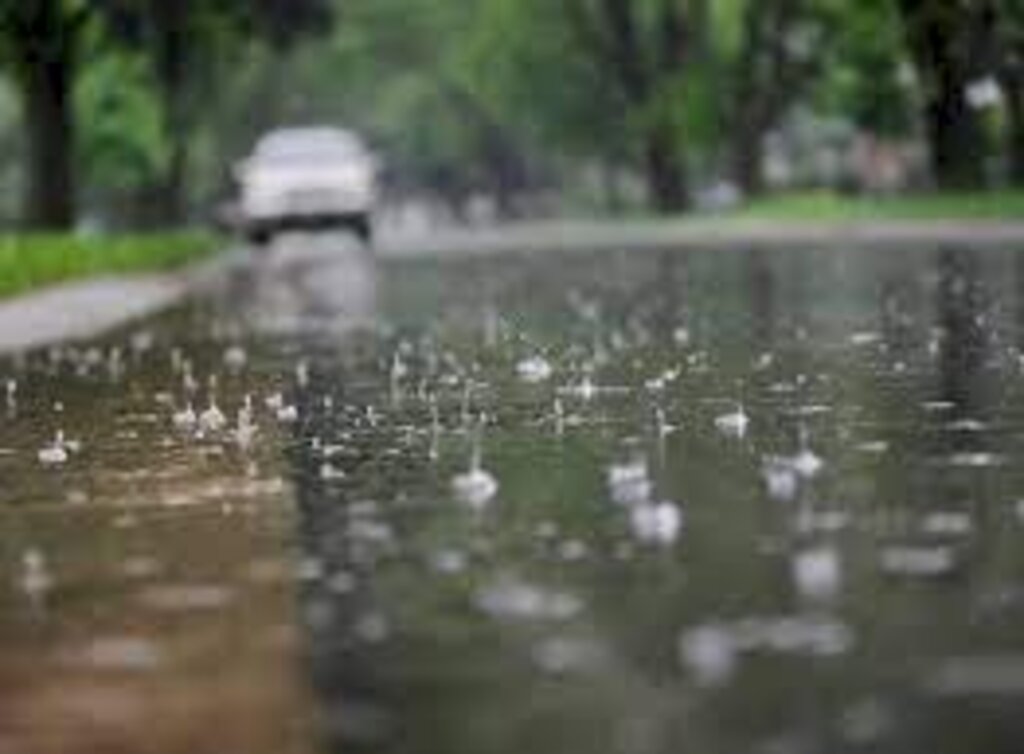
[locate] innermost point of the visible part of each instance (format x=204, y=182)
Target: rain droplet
x=656, y=523
x=534, y=369
x=117, y=653
x=918, y=561
x=510, y=598
x=734, y=424
x=709, y=654
x=817, y=573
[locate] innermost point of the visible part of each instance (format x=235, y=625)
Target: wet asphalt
x=622, y=500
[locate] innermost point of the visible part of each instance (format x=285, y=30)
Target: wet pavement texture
x=732, y=501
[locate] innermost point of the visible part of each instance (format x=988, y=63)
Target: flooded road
x=731, y=501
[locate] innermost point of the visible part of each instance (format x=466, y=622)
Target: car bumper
x=306, y=220
x=311, y=203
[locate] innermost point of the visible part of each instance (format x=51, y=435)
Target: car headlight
x=257, y=200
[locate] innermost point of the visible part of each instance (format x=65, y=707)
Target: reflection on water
x=759, y=502
x=762, y=502
x=144, y=578
x=147, y=564
x=306, y=284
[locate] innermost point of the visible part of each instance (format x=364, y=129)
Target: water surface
x=737, y=501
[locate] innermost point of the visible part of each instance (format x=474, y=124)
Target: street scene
x=364, y=390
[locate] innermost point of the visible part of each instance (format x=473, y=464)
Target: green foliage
x=461, y=95
x=30, y=261
x=398, y=70
x=10, y=151
x=601, y=83
x=34, y=30
x=122, y=142
x=826, y=205
x=526, y=61
x=868, y=75
x=699, y=112
x=727, y=27
x=184, y=44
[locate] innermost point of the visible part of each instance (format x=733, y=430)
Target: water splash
x=534, y=369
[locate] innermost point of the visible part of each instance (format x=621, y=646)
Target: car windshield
x=309, y=146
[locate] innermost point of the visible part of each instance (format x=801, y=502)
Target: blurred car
x=305, y=178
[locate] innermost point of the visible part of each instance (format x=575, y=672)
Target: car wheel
x=363, y=228
x=260, y=236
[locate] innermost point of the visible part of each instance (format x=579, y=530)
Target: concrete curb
x=716, y=234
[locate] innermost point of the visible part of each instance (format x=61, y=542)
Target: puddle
x=612, y=503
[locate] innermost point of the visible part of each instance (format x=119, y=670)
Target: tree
x=406, y=76
x=946, y=42
x=646, y=50
x=11, y=151
x=120, y=140
x=781, y=53
x=603, y=78
x=186, y=42
x=866, y=71
x=39, y=45
x=1003, y=24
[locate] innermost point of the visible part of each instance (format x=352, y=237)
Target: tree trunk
x=170, y=199
x=171, y=63
x=769, y=79
x=46, y=89
x=745, y=149
x=1014, y=90
x=667, y=182
x=748, y=160
x=940, y=36
x=955, y=140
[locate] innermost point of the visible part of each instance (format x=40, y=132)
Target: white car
x=304, y=178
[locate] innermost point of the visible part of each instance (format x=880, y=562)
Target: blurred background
x=122, y=114
x=742, y=484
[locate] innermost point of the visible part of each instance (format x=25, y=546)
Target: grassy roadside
x=34, y=260
x=829, y=206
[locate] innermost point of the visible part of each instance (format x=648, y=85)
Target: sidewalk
x=87, y=308
x=81, y=309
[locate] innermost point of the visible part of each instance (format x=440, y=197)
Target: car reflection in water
x=307, y=283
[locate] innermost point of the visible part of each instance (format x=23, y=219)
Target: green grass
x=34, y=260
x=823, y=205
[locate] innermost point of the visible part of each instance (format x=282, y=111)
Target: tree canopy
x=143, y=104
